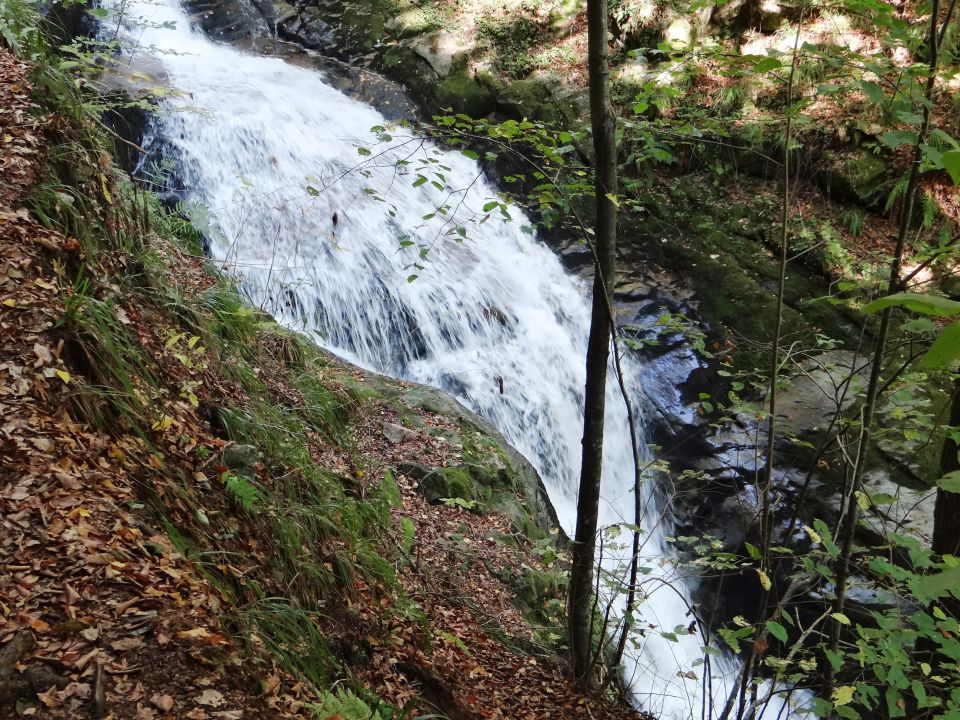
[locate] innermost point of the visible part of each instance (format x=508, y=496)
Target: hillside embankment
x=203, y=515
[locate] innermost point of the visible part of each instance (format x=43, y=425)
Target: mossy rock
x=535, y=98
x=465, y=95
x=533, y=590
x=734, y=275
x=403, y=65
x=857, y=176
x=518, y=513
x=452, y=482
x=242, y=460
x=363, y=24
x=523, y=98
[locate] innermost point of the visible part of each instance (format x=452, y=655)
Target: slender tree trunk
x=765, y=484
x=851, y=509
x=580, y=596
x=946, y=513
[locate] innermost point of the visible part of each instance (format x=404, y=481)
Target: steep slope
x=203, y=516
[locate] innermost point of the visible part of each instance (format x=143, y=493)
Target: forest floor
x=707, y=86
x=104, y=614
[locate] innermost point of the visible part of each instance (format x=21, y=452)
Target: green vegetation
x=700, y=113
x=248, y=438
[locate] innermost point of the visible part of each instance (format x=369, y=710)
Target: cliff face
x=203, y=515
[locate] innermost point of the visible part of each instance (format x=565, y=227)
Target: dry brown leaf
x=127, y=643
x=162, y=702
x=210, y=698
x=43, y=353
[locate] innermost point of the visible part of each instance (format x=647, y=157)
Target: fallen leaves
x=162, y=702
x=210, y=698
x=130, y=625
x=126, y=643
x=104, y=601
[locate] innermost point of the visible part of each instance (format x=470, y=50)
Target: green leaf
x=419, y=181
x=895, y=704
x=917, y=302
x=363, y=151
x=910, y=118
x=822, y=708
x=951, y=163
x=840, y=618
x=843, y=695
x=944, y=351
x=777, y=630
x=835, y=658
x=935, y=586
x=490, y=205
x=770, y=63
x=470, y=154
x=824, y=532
x=950, y=482
x=873, y=91
x=896, y=138
x=847, y=712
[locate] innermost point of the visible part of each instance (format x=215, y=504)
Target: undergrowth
x=173, y=365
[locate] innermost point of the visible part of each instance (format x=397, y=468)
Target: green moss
x=465, y=95
x=448, y=483
x=858, y=176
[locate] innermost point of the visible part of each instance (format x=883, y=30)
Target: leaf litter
x=102, y=616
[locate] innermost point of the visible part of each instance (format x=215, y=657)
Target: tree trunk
x=850, y=513
x=580, y=596
x=946, y=513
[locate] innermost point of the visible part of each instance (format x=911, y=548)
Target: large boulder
x=542, y=98
x=858, y=176
x=441, y=50
x=309, y=30
x=464, y=94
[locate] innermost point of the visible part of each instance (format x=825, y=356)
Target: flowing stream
x=494, y=318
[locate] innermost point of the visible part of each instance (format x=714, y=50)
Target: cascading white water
x=493, y=319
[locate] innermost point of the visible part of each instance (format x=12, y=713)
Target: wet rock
x=309, y=30
x=228, y=19
x=276, y=11
x=632, y=291
x=387, y=97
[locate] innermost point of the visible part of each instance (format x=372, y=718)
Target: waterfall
x=271, y=150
